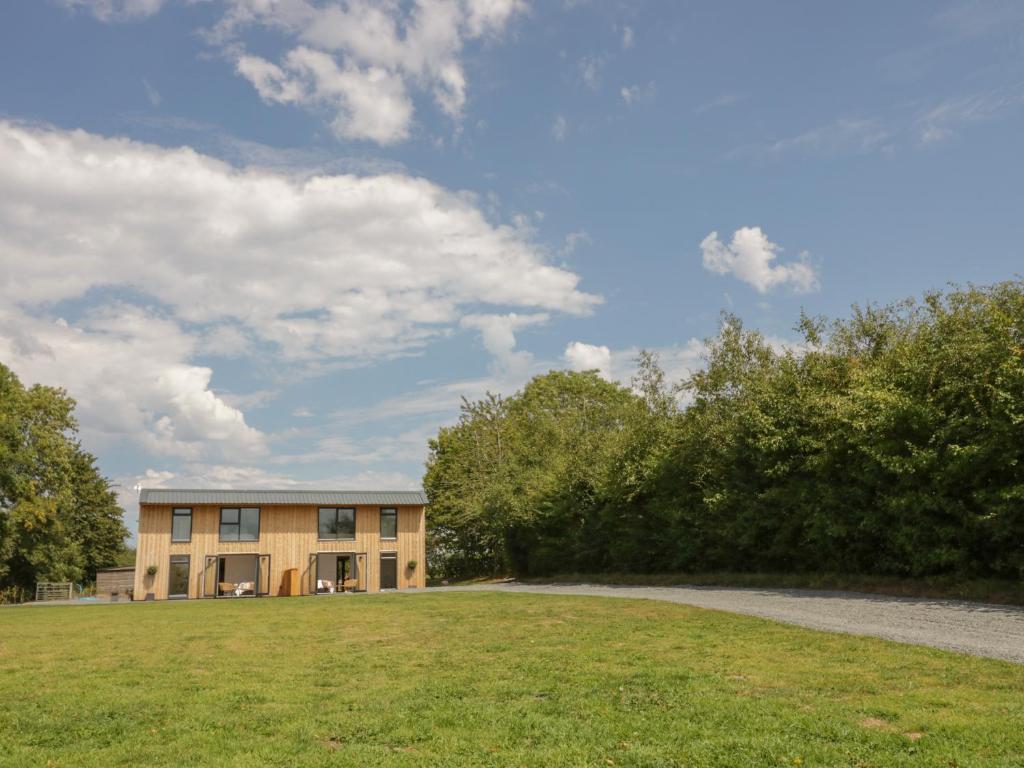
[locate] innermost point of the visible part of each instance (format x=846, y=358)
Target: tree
x=59, y=519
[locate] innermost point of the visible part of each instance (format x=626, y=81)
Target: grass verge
x=483, y=679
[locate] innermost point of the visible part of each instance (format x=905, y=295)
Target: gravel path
x=995, y=631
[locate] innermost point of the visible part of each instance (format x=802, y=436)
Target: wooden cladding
x=288, y=535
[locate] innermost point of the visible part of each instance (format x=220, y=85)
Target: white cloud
x=588, y=357
x=117, y=10
x=560, y=128
x=498, y=333
x=306, y=271
x=370, y=103
x=591, y=69
x=628, y=37
x=750, y=257
x=127, y=369
x=862, y=136
x=637, y=94
x=152, y=94
x=302, y=413
x=678, y=361
x=573, y=241
x=942, y=121
x=362, y=58
x=322, y=267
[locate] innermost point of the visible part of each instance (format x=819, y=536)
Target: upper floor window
x=239, y=524
x=181, y=524
x=388, y=523
x=336, y=523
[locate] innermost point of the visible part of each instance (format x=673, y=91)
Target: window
x=181, y=524
x=388, y=523
x=336, y=523
x=178, y=586
x=240, y=524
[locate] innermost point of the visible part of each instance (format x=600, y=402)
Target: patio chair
x=245, y=588
x=226, y=587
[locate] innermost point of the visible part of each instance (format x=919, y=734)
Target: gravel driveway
x=995, y=631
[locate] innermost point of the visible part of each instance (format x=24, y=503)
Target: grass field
x=483, y=679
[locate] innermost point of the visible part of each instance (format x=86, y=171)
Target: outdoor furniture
x=245, y=588
x=226, y=587
x=349, y=585
x=325, y=585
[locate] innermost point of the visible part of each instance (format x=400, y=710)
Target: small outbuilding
x=119, y=581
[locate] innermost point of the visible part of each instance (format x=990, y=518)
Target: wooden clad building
x=226, y=543
x=115, y=581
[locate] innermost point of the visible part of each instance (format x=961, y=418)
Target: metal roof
x=213, y=496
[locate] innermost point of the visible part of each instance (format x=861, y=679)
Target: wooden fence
x=54, y=590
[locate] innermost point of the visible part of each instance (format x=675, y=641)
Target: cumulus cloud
x=322, y=266
x=588, y=357
x=370, y=103
x=498, y=333
x=361, y=59
x=127, y=370
x=309, y=270
x=751, y=257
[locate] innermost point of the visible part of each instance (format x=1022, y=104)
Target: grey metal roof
x=212, y=496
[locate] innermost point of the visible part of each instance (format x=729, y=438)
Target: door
x=263, y=575
x=389, y=570
x=311, y=579
x=177, y=586
x=210, y=576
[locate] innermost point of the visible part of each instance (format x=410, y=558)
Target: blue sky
x=273, y=244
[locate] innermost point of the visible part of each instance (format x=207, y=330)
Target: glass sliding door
x=177, y=587
x=238, y=575
x=389, y=570
x=335, y=573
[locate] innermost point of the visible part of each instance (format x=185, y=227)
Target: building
x=228, y=544
x=115, y=581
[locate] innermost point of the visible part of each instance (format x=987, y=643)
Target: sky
x=273, y=243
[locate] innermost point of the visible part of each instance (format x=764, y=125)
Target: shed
x=111, y=580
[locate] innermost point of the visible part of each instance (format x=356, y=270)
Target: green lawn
x=483, y=679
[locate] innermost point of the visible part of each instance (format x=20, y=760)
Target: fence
x=54, y=590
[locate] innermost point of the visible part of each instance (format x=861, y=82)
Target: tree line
x=887, y=442
x=59, y=517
